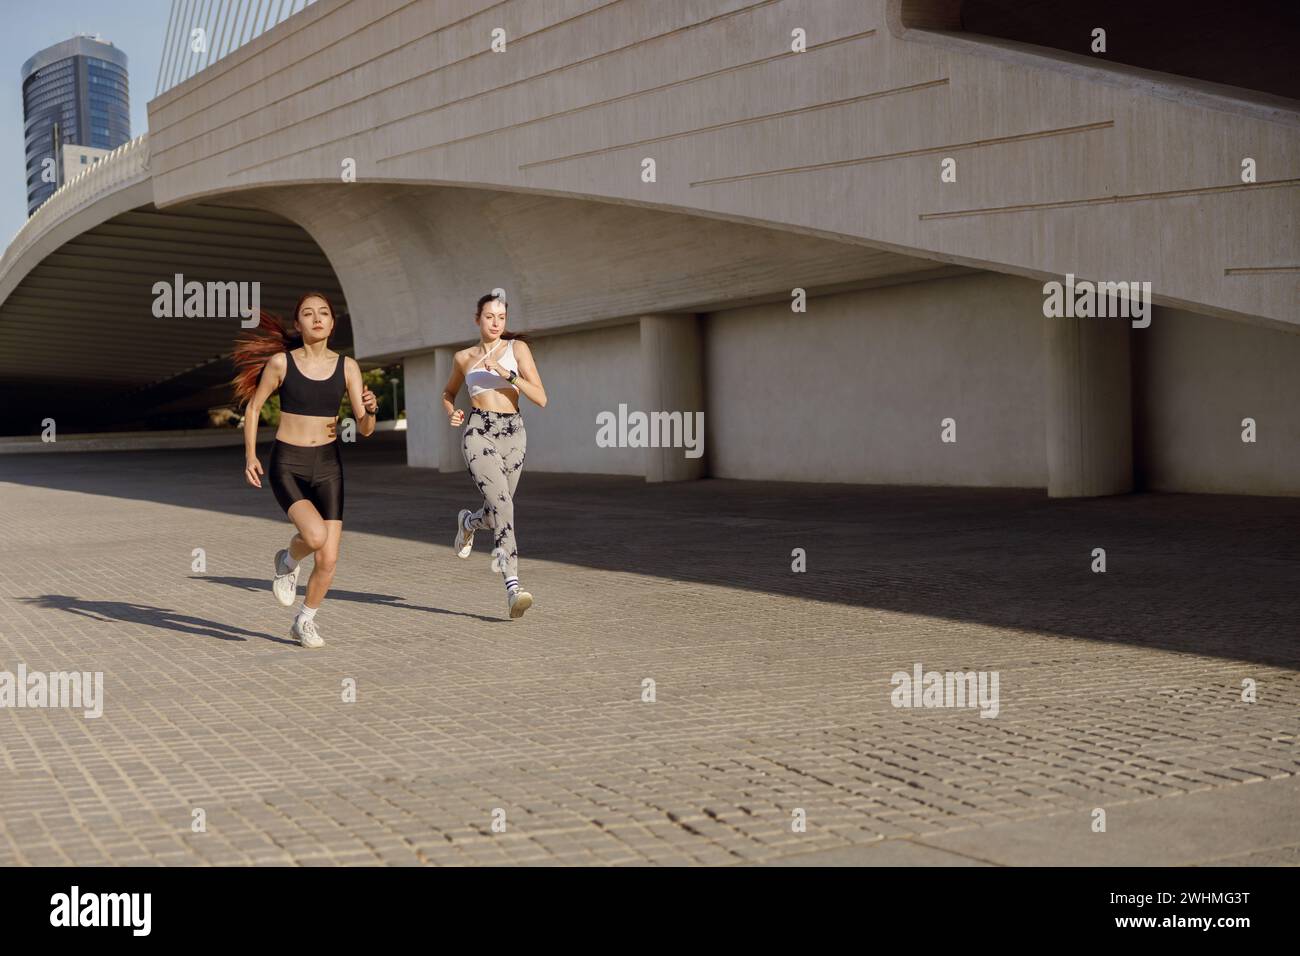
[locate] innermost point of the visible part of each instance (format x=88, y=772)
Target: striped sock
x=512, y=584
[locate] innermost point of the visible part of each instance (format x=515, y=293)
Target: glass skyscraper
x=74, y=92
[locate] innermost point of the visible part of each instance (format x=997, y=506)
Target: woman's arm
x=272, y=376
x=360, y=397
x=454, y=382
x=529, y=380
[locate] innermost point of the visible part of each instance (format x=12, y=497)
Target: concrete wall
x=855, y=389
x=1064, y=163
x=584, y=373
x=1196, y=378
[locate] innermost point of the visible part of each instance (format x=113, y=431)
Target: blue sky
x=136, y=27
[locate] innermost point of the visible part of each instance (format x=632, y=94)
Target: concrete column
x=421, y=399
x=1089, y=408
x=430, y=441
x=672, y=377
x=449, y=456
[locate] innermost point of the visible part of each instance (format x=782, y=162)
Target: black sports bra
x=300, y=395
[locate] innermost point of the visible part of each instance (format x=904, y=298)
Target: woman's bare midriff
x=305, y=430
x=503, y=400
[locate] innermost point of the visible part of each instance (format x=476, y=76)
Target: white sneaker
x=304, y=632
x=518, y=602
x=463, y=543
x=285, y=583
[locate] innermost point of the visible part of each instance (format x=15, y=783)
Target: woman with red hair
x=306, y=470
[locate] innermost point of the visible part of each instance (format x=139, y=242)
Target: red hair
x=255, y=347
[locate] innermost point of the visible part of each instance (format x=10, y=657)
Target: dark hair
x=484, y=300
x=255, y=347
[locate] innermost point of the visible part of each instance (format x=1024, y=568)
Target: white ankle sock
x=289, y=562
x=306, y=613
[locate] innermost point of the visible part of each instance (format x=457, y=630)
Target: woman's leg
x=512, y=447
x=290, y=475
x=322, y=572
x=494, y=453
x=312, y=531
x=298, y=546
x=483, y=458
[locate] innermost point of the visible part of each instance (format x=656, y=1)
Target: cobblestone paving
x=772, y=688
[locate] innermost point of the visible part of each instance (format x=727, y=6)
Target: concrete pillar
x=421, y=397
x=449, y=456
x=430, y=441
x=672, y=377
x=1089, y=408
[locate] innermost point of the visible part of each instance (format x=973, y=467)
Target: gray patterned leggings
x=493, y=445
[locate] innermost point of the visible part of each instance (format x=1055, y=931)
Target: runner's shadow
x=384, y=600
x=159, y=617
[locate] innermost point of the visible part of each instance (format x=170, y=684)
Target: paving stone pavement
x=772, y=688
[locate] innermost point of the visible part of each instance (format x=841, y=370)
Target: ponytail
x=254, y=349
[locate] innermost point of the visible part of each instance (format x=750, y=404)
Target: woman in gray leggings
x=497, y=371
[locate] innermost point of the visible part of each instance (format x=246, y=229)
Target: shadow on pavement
x=1199, y=574
x=159, y=617
x=383, y=600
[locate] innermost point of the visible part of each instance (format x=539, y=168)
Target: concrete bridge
x=651, y=182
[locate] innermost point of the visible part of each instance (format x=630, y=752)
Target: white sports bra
x=481, y=380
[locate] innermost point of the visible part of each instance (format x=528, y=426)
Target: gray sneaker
x=304, y=632
x=285, y=583
x=463, y=543
x=518, y=602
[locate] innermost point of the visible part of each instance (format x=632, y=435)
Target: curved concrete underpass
x=381, y=151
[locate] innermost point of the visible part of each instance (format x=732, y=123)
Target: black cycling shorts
x=308, y=472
